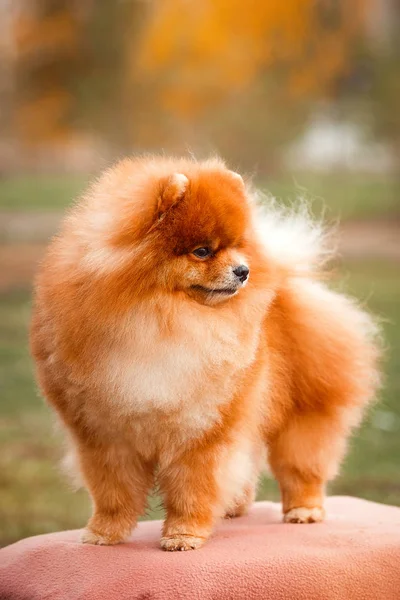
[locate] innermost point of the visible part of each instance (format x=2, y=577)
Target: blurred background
x=304, y=95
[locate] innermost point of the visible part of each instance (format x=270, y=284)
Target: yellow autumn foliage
x=186, y=56
x=198, y=51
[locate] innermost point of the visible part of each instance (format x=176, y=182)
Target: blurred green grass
x=35, y=497
x=347, y=196
x=344, y=196
x=40, y=192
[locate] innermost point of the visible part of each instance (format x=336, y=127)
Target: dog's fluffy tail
x=292, y=236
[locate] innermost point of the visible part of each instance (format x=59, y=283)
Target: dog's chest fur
x=185, y=373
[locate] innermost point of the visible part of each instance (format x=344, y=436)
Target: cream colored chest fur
x=187, y=373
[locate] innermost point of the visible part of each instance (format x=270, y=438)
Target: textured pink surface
x=354, y=555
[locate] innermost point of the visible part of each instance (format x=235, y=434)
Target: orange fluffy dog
x=183, y=335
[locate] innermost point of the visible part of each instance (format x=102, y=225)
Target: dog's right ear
x=172, y=190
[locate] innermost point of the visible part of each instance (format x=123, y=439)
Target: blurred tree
x=101, y=94
x=174, y=72
x=202, y=50
x=48, y=55
x=69, y=61
x=371, y=96
x=384, y=89
x=249, y=73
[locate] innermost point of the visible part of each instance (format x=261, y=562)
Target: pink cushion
x=355, y=554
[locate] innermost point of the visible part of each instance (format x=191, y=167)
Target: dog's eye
x=202, y=252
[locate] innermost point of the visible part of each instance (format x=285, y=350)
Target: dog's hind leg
x=326, y=374
x=303, y=457
x=242, y=503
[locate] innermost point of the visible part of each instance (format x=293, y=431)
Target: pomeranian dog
x=183, y=335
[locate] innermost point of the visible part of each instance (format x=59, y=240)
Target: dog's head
x=177, y=226
x=200, y=227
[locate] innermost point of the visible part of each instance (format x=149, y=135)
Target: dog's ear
x=237, y=177
x=172, y=190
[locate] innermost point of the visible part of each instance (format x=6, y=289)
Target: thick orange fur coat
x=166, y=359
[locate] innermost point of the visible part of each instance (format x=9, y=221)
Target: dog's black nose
x=241, y=272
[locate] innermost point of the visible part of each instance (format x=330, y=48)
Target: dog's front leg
x=190, y=491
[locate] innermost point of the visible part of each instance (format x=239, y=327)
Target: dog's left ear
x=172, y=190
x=237, y=177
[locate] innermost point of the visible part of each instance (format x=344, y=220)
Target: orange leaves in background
x=226, y=37
x=45, y=117
x=160, y=66
x=47, y=48
x=197, y=52
x=51, y=34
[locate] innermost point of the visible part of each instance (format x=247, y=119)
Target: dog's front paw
x=173, y=543
x=304, y=515
x=91, y=537
x=101, y=530
x=105, y=532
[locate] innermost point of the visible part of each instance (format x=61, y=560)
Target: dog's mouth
x=213, y=291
